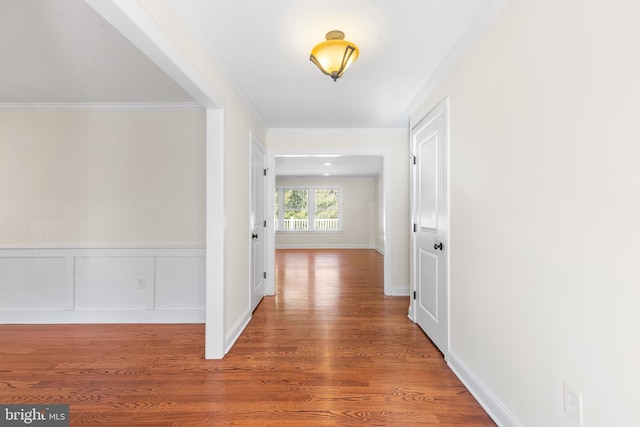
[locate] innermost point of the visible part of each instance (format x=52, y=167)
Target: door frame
x=441, y=108
x=386, y=185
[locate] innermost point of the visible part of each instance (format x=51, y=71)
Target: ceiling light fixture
x=334, y=55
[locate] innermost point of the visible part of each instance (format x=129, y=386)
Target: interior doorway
x=302, y=159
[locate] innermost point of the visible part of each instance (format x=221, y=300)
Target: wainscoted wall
x=102, y=285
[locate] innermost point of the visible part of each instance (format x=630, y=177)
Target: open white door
x=258, y=223
x=430, y=238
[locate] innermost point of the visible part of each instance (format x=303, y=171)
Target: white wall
x=102, y=216
x=393, y=141
x=545, y=238
x=358, y=214
x=99, y=178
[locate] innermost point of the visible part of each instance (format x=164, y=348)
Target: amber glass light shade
x=334, y=55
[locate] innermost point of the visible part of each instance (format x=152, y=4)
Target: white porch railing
x=326, y=224
x=295, y=224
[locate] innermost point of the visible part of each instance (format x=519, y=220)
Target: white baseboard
x=399, y=292
x=322, y=246
x=102, y=285
x=100, y=316
x=236, y=331
x=491, y=404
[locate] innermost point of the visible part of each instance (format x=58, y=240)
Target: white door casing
x=388, y=249
x=429, y=257
x=258, y=222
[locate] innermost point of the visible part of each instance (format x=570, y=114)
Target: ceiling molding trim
x=324, y=131
x=100, y=106
x=187, y=16
x=486, y=17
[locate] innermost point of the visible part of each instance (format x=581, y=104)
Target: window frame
x=311, y=208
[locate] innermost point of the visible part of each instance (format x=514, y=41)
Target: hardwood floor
x=328, y=350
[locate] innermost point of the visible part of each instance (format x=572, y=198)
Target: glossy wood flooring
x=328, y=350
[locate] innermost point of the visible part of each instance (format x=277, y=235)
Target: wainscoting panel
x=102, y=285
x=33, y=283
x=111, y=283
x=180, y=283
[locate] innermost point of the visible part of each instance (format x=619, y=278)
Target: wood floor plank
x=329, y=349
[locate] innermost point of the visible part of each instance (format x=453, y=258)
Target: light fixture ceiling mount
x=334, y=55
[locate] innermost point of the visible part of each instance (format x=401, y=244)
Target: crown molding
x=98, y=106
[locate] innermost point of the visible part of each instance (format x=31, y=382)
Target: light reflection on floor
x=311, y=279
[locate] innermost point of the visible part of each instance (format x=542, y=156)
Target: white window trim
x=311, y=211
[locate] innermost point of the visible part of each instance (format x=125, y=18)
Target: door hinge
x=414, y=294
x=415, y=227
x=264, y=275
x=265, y=172
x=413, y=158
x=265, y=223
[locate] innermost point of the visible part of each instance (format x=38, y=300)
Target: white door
x=258, y=223
x=430, y=237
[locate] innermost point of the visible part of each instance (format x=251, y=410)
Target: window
x=326, y=209
x=307, y=209
x=296, y=212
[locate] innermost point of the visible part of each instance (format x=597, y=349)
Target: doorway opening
x=328, y=200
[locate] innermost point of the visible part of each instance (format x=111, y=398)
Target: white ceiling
x=63, y=51
x=57, y=51
x=265, y=46
x=322, y=165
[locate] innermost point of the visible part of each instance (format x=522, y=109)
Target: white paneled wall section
x=96, y=285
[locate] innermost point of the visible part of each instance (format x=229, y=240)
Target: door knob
x=254, y=236
x=437, y=246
